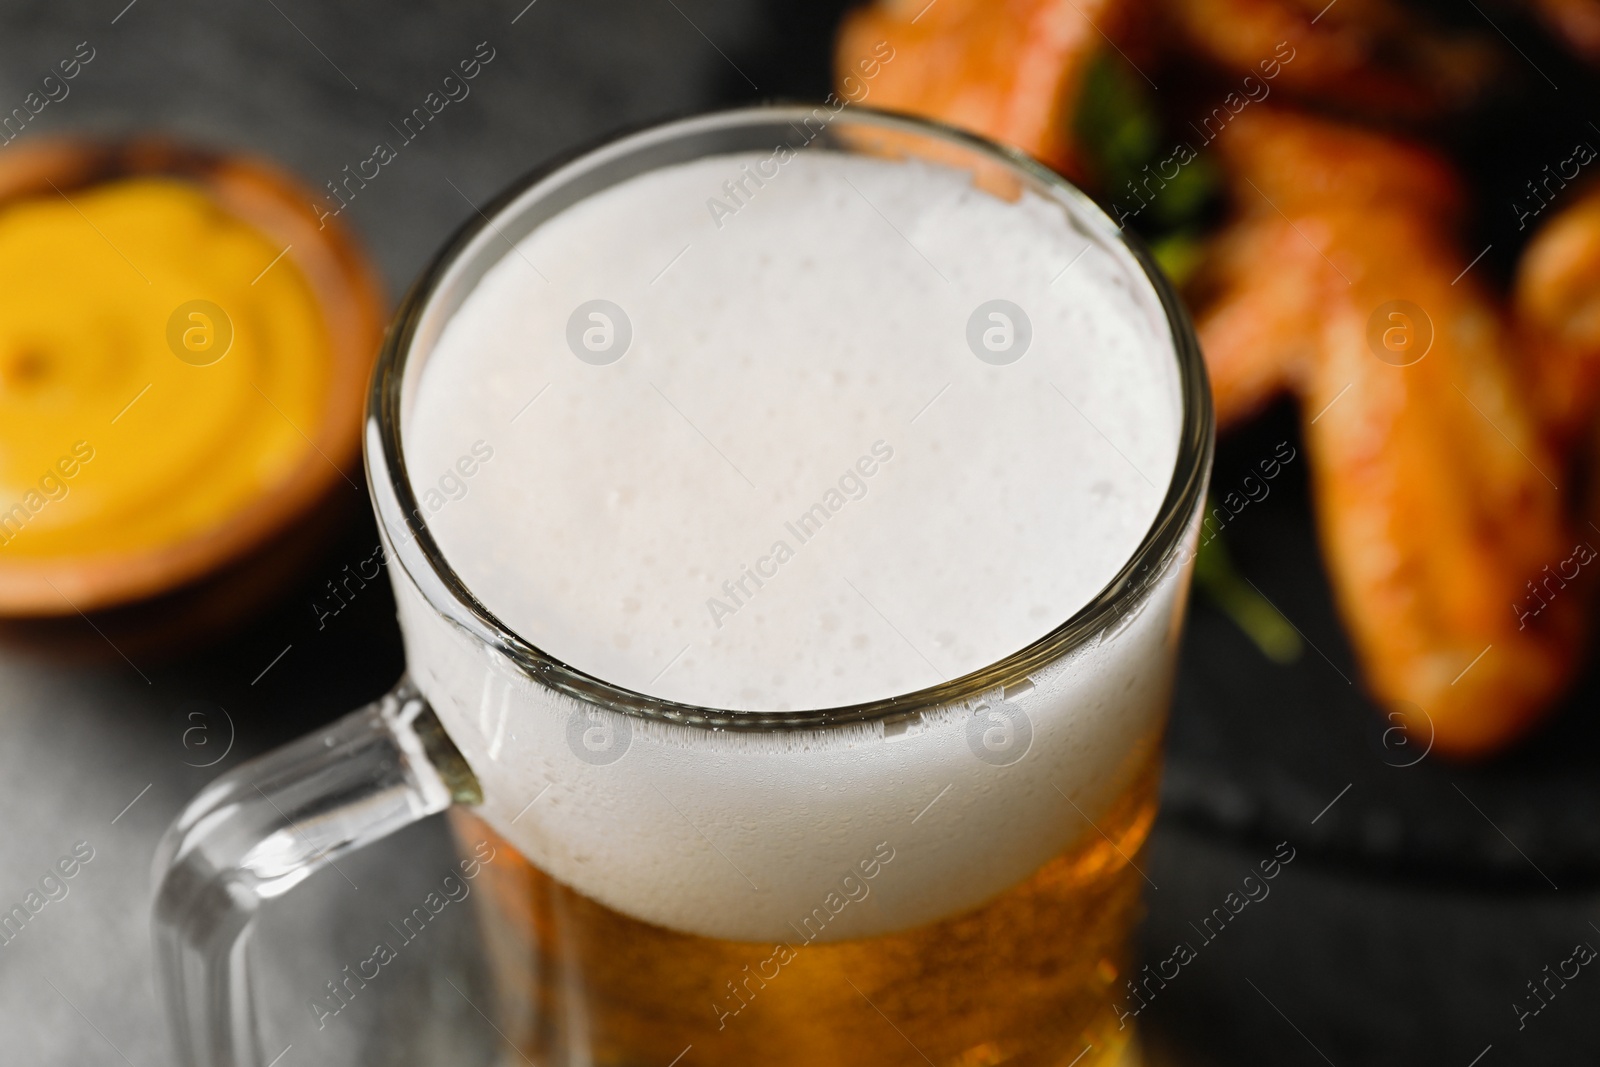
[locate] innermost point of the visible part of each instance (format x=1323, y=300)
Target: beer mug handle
x=264, y=827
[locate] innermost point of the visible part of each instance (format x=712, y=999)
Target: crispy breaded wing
x=1557, y=301
x=1577, y=22
x=1436, y=495
x=1261, y=285
x=1268, y=282
x=1007, y=69
x=1374, y=58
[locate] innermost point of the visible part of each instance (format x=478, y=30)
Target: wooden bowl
x=346, y=292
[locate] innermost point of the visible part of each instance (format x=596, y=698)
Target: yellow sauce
x=109, y=441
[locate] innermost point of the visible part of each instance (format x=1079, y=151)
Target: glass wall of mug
x=962, y=889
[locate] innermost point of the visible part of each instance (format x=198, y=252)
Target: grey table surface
x=1338, y=965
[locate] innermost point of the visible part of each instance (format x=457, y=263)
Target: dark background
x=1416, y=909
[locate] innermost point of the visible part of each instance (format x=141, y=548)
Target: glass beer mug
x=873, y=858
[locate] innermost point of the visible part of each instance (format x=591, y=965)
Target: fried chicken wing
x=1254, y=334
x=1010, y=70
x=1436, y=500
x=1577, y=22
x=1261, y=280
x=1557, y=300
x=1371, y=57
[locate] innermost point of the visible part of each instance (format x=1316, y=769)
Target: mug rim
x=450, y=597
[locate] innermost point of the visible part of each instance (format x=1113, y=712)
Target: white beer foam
x=805, y=355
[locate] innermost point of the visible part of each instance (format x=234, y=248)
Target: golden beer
x=1028, y=978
